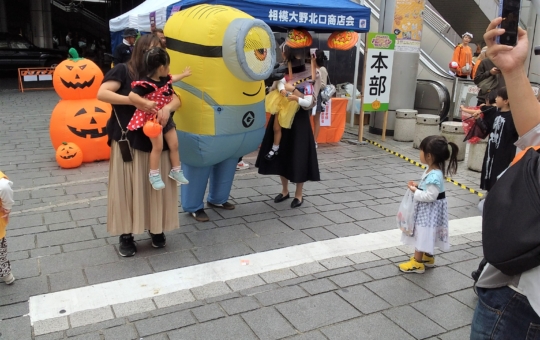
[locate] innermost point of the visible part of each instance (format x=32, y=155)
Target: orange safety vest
x=462, y=56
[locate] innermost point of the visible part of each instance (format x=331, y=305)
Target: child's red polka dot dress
x=161, y=95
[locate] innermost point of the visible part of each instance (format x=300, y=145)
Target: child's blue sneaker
x=178, y=176
x=156, y=182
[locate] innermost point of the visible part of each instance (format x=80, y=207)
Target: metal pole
x=382, y=16
x=362, y=95
x=355, y=81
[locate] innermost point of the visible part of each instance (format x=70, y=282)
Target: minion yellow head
x=230, y=54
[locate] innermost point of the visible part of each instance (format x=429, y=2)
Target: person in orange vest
x=463, y=57
x=6, y=203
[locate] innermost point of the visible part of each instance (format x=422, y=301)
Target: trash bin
x=426, y=125
x=453, y=131
x=476, y=155
x=405, y=125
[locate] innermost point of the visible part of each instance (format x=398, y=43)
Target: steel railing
x=82, y=11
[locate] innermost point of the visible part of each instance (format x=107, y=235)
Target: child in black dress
x=502, y=135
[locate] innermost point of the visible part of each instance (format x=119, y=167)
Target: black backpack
x=511, y=217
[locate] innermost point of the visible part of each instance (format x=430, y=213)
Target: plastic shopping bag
x=475, y=129
x=405, y=215
x=328, y=92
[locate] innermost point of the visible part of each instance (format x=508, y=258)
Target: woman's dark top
x=137, y=139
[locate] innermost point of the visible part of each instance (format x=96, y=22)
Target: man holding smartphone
x=509, y=306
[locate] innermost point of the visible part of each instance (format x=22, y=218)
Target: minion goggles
x=246, y=58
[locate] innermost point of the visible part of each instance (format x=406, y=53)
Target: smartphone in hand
x=509, y=11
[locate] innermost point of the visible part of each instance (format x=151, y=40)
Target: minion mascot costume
x=222, y=117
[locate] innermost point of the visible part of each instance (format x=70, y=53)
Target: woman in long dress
x=297, y=159
x=133, y=206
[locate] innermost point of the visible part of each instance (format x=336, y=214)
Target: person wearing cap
x=463, y=57
x=487, y=77
x=122, y=52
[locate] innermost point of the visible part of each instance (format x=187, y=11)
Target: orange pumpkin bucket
x=152, y=128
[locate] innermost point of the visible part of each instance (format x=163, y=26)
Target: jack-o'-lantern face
x=93, y=129
x=69, y=155
x=83, y=122
x=77, y=78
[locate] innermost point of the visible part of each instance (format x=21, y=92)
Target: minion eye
x=256, y=46
x=261, y=54
x=249, y=49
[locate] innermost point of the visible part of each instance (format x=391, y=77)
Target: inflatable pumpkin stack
x=79, y=118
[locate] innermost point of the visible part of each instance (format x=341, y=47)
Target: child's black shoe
x=271, y=155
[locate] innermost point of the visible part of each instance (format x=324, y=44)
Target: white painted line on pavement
x=48, y=306
x=82, y=181
x=61, y=204
x=88, y=200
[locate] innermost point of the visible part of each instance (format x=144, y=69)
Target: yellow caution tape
x=301, y=81
x=471, y=190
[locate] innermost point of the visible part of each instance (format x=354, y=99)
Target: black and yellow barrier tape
x=301, y=81
x=412, y=161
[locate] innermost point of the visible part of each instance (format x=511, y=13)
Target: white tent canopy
x=139, y=17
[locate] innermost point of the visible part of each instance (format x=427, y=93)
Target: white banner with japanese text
x=378, y=77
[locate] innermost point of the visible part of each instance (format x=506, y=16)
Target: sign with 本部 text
x=378, y=75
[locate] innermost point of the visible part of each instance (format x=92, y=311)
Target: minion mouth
x=69, y=157
x=78, y=85
x=254, y=94
x=91, y=133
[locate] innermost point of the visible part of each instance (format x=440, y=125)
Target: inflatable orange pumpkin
x=297, y=38
x=152, y=128
x=82, y=122
x=77, y=78
x=69, y=155
x=343, y=40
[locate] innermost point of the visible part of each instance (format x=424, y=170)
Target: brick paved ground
x=57, y=235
